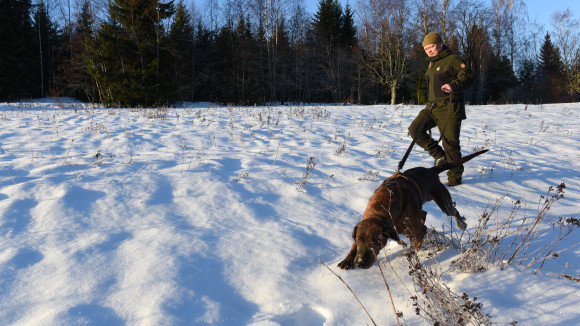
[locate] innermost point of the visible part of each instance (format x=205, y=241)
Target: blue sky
x=540, y=10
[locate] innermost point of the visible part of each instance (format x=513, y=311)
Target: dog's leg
x=348, y=262
x=418, y=231
x=442, y=198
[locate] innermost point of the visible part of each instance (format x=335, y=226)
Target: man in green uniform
x=447, y=78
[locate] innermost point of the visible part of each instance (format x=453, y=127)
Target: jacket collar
x=444, y=52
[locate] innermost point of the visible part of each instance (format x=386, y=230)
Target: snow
x=206, y=214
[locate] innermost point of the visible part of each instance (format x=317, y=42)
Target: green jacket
x=448, y=68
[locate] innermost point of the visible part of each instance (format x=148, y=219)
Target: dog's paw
x=461, y=222
x=346, y=264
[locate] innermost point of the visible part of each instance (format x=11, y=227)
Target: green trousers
x=449, y=125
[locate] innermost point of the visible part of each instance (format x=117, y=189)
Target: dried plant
x=435, y=301
x=513, y=239
x=310, y=164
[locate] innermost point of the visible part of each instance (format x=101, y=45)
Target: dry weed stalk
x=351, y=291
x=435, y=301
x=508, y=241
x=310, y=164
x=397, y=314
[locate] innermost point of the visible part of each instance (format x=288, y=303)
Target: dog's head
x=369, y=235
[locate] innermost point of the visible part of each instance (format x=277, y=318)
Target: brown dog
x=396, y=208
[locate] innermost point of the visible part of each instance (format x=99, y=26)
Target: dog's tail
x=444, y=167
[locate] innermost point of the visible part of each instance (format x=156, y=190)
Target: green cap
x=432, y=38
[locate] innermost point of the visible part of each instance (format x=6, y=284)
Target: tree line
x=247, y=52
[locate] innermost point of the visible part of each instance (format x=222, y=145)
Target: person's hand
x=447, y=88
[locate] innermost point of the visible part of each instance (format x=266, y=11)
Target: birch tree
x=567, y=39
x=472, y=24
x=386, y=38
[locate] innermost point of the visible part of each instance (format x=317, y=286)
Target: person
x=447, y=78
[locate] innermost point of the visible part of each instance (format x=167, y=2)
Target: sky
x=541, y=10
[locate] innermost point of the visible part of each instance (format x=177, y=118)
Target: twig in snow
x=351, y=291
x=388, y=288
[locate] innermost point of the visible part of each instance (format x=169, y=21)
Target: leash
x=402, y=162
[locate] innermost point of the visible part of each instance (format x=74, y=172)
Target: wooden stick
x=388, y=289
x=351, y=291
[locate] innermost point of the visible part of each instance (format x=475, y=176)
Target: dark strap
x=394, y=179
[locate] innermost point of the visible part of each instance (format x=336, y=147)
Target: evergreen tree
x=47, y=39
x=551, y=72
x=73, y=78
x=348, y=29
x=284, y=63
x=19, y=72
x=182, y=45
x=130, y=56
x=499, y=80
x=527, y=77
x=224, y=67
x=328, y=22
x=237, y=65
x=333, y=64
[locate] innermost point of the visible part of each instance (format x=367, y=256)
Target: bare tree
x=516, y=15
x=270, y=15
x=568, y=41
x=425, y=19
x=387, y=38
x=472, y=24
x=443, y=10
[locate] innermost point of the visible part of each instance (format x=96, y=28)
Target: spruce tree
x=72, y=77
x=500, y=79
x=551, y=72
x=47, y=39
x=331, y=38
x=182, y=38
x=130, y=58
x=348, y=29
x=204, y=54
x=527, y=77
x=328, y=22
x=19, y=69
x=81, y=84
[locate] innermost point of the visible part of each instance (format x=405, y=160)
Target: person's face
x=433, y=49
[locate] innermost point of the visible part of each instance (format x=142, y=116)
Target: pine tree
x=499, y=80
x=130, y=58
x=72, y=77
x=348, y=29
x=328, y=22
x=551, y=72
x=330, y=39
x=19, y=69
x=182, y=44
x=204, y=54
x=527, y=77
x=47, y=39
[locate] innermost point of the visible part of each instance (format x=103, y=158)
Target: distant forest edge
x=246, y=52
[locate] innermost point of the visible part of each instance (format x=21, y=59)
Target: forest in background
x=253, y=52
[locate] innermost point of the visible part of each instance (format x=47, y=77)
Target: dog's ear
x=389, y=233
x=354, y=232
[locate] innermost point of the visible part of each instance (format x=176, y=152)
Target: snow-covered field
x=207, y=215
